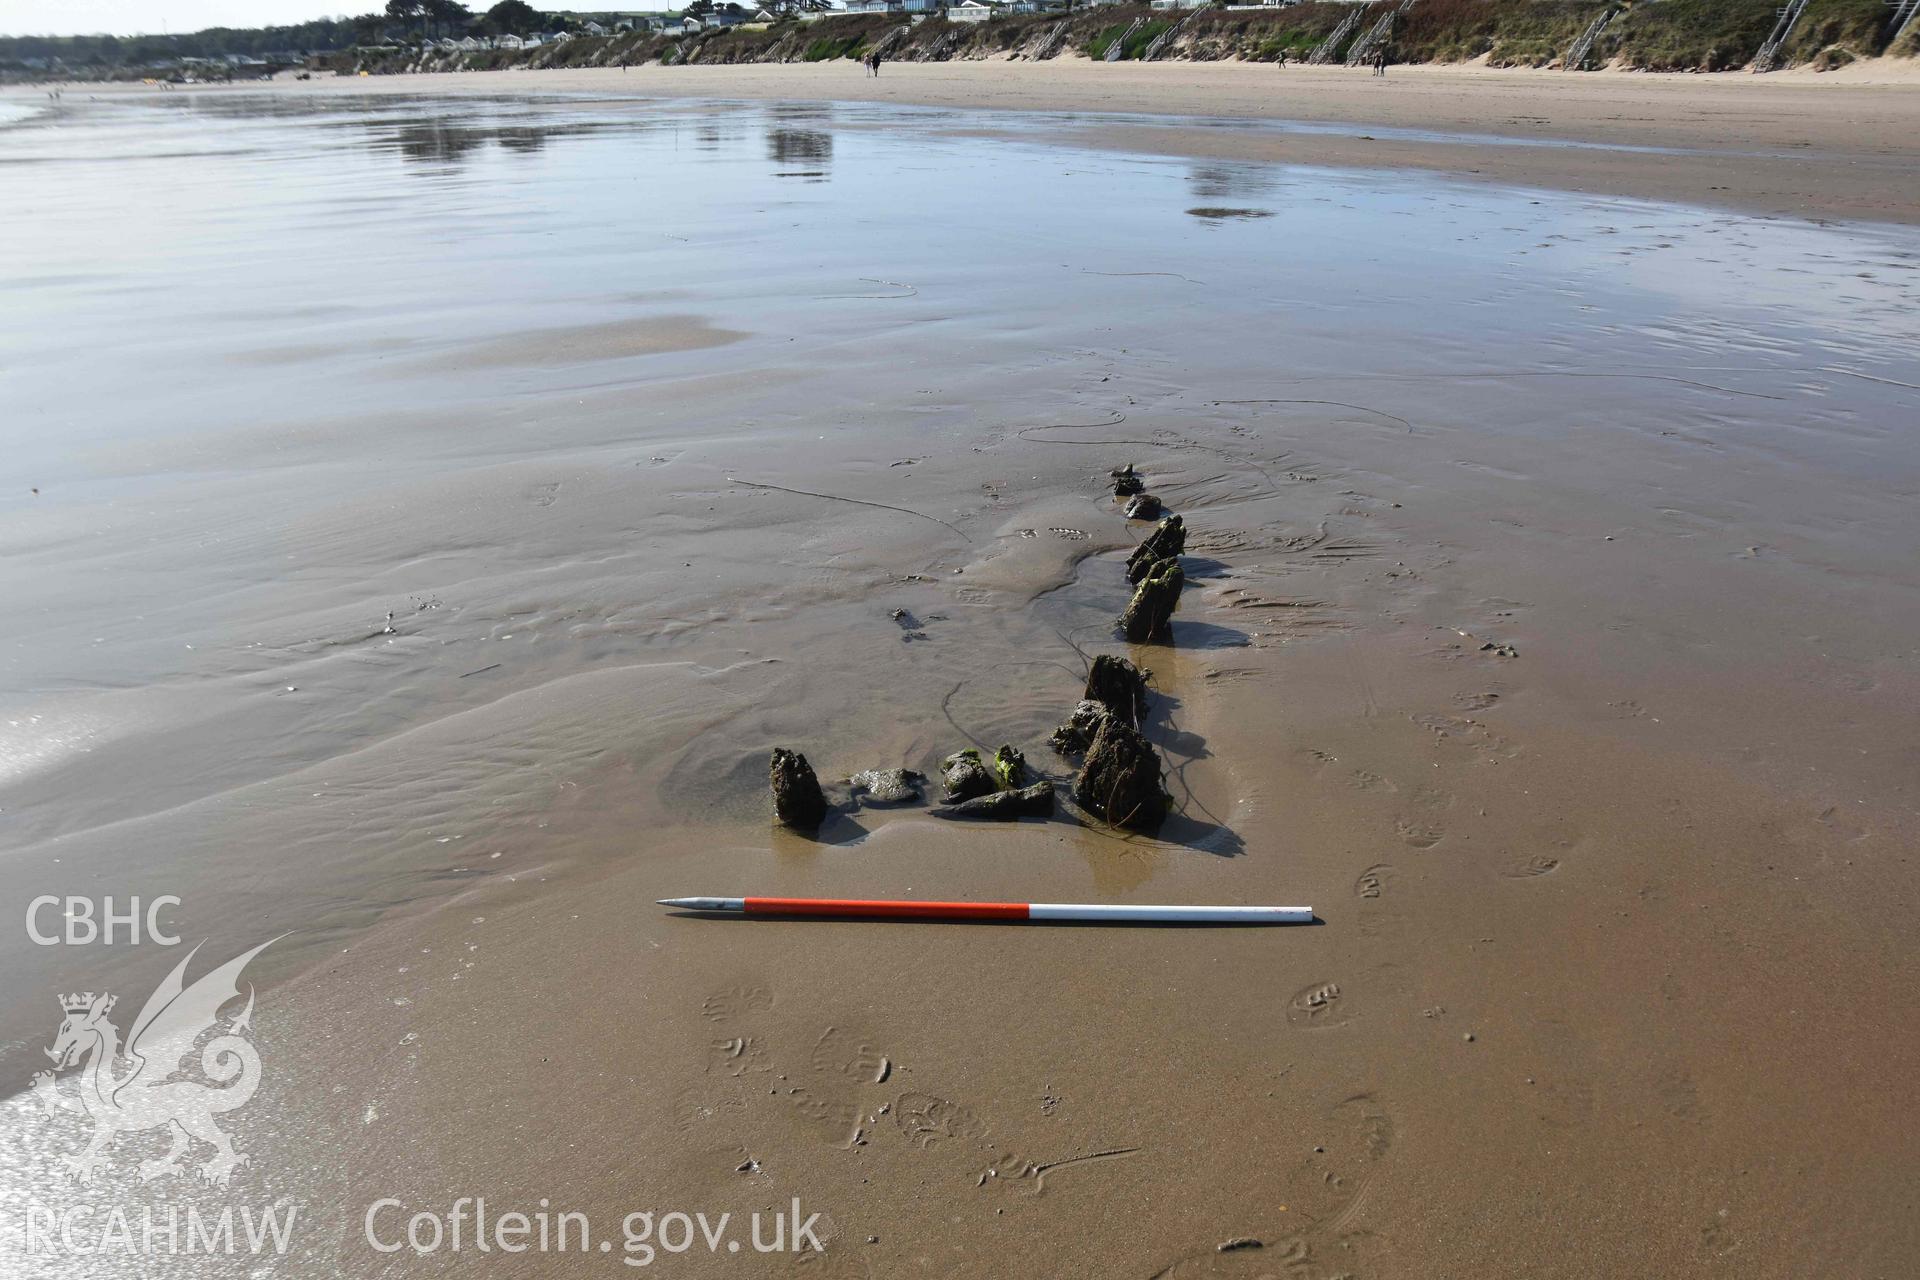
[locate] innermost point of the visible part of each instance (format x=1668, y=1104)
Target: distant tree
x=405, y=11
x=516, y=16
x=157, y=51
x=451, y=15
x=697, y=9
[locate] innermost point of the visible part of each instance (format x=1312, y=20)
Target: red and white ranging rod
x=909, y=909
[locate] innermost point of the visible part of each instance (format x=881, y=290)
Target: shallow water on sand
x=410, y=498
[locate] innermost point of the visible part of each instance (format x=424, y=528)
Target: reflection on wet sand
x=801, y=153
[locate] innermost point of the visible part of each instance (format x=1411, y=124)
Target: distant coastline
x=1567, y=35
x=1675, y=35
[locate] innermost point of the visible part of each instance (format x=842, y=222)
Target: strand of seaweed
x=1179, y=775
x=911, y=292
x=1048, y=662
x=1086, y=659
x=1534, y=373
x=948, y=713
x=1118, y=418
x=1130, y=275
x=1040, y=1171
x=1868, y=377
x=973, y=738
x=1379, y=413
x=858, y=502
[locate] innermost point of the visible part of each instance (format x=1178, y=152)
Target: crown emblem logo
x=80, y=1002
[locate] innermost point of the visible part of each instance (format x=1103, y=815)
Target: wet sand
x=427, y=607
x=1806, y=144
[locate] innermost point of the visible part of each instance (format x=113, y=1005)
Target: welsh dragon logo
x=139, y=1087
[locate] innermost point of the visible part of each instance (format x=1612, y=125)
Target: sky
x=139, y=17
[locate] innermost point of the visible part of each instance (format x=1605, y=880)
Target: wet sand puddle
x=477, y=491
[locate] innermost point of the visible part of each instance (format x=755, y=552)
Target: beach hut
x=969, y=11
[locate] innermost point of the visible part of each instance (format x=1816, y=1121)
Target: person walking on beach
x=1280, y=62
x=873, y=63
x=1380, y=61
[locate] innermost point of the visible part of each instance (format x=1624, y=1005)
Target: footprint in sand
x=837, y=1261
x=1253, y=1258
x=824, y=1104
x=1324, y=1196
x=928, y=1121
x=1417, y=835
x=1016, y=1173
x=1376, y=920
x=1331, y=1181
x=1717, y=1237
x=828, y=1104
x=1367, y=780
x=835, y=1121
x=1445, y=726
x=1318, y=1005
x=737, y=1056
x=695, y=1106
x=1532, y=868
x=1373, y=881
x=734, y=1003
x=1467, y=732
x=839, y=1053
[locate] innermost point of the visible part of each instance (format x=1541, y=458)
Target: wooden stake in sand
x=907, y=909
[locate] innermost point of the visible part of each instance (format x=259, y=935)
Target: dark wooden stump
x=1153, y=603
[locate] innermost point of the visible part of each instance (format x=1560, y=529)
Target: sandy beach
x=438, y=495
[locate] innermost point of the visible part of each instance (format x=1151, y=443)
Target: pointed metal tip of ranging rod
x=702, y=904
